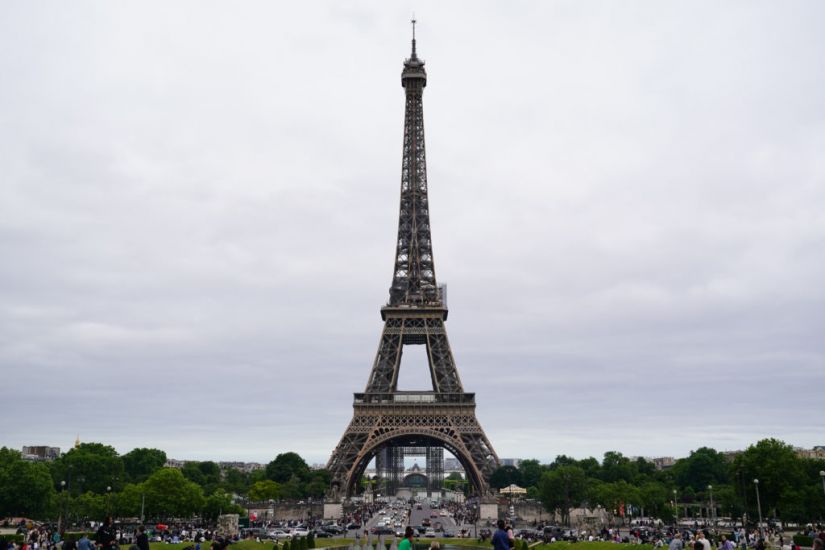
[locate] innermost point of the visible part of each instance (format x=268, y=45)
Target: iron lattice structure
x=385, y=418
x=390, y=467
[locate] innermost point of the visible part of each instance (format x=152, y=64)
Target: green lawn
x=325, y=543
x=247, y=544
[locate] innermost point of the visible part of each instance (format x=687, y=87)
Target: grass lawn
x=590, y=546
x=325, y=543
x=247, y=544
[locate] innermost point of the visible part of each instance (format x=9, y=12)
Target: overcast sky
x=199, y=201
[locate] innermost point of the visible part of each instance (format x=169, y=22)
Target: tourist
x=501, y=541
x=676, y=542
x=406, y=542
x=84, y=543
x=105, y=537
x=434, y=545
x=701, y=538
x=142, y=541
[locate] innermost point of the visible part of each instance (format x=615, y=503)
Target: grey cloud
x=198, y=209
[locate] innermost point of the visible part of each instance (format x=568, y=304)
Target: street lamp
x=108, y=500
x=712, y=514
x=758, y=506
x=675, y=509
x=60, y=526
x=822, y=476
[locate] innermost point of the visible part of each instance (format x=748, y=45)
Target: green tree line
x=92, y=480
x=790, y=487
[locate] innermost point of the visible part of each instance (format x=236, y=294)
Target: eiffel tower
x=384, y=418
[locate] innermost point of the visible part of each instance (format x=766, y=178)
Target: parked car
x=351, y=526
x=278, y=534
x=300, y=532
x=322, y=534
x=429, y=533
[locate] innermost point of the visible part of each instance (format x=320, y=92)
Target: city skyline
x=198, y=209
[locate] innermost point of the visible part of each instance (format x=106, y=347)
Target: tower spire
x=414, y=280
x=413, y=21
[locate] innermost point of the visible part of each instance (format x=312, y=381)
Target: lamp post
x=108, y=500
x=822, y=476
x=712, y=511
x=758, y=506
x=675, y=509
x=60, y=524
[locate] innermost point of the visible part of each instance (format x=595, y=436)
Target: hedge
x=803, y=540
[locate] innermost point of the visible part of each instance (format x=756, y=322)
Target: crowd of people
x=111, y=536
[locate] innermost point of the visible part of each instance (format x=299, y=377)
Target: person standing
x=406, y=542
x=105, y=537
x=142, y=540
x=700, y=537
x=500, y=539
x=676, y=542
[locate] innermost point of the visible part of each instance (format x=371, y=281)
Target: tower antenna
x=413, y=21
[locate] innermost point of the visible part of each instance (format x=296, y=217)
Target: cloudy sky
x=198, y=206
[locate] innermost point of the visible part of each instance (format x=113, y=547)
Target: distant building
x=510, y=462
x=452, y=465
x=731, y=455
x=40, y=452
x=663, y=462
x=246, y=467
x=172, y=463
x=818, y=452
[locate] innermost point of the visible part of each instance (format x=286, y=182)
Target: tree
x=25, y=487
x=292, y=489
x=562, y=489
x=139, y=464
x=127, y=502
x=616, y=467
x=235, y=481
x=455, y=482
x=219, y=502
x=530, y=471
x=89, y=506
x=285, y=466
x=562, y=460
x=778, y=470
x=703, y=467
x=265, y=490
x=655, y=499
x=170, y=494
x=207, y=474
x=615, y=496
x=89, y=467
x=318, y=483
x=504, y=476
